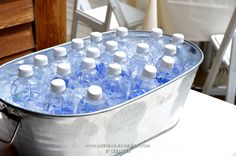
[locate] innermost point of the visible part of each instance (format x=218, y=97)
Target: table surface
x=207, y=127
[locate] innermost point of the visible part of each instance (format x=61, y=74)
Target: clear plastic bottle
x=25, y=88
x=93, y=101
x=110, y=48
x=59, y=56
x=122, y=39
x=114, y=85
x=64, y=73
x=107, y=57
x=166, y=70
x=120, y=57
x=144, y=83
x=139, y=60
x=42, y=73
x=184, y=55
x=55, y=101
x=88, y=74
x=95, y=54
x=77, y=51
x=170, y=50
x=156, y=42
x=96, y=41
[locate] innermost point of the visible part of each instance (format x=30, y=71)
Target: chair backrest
x=116, y=8
x=83, y=4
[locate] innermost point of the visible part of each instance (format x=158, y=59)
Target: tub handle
x=4, y=110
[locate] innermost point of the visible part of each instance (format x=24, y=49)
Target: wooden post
x=50, y=23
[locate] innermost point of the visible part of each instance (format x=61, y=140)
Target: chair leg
x=74, y=22
x=208, y=49
x=108, y=18
x=231, y=86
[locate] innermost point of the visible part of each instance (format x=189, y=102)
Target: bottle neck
x=24, y=79
x=142, y=54
x=41, y=68
x=64, y=76
x=92, y=101
x=78, y=50
x=145, y=78
x=121, y=38
x=84, y=70
x=166, y=70
x=60, y=58
x=56, y=94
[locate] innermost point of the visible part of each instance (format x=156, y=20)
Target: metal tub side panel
x=108, y=132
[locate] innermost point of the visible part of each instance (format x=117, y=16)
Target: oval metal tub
x=108, y=132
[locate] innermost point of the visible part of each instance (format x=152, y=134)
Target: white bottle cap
x=149, y=71
x=93, y=52
x=170, y=49
x=121, y=32
x=59, y=52
x=114, y=69
x=77, y=43
x=88, y=63
x=120, y=56
x=40, y=60
x=58, y=85
x=167, y=62
x=177, y=38
x=63, y=69
x=111, y=46
x=96, y=36
x=156, y=32
x=142, y=48
x=94, y=92
x=25, y=70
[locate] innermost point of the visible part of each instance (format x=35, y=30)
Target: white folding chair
x=106, y=17
x=226, y=51
x=126, y=15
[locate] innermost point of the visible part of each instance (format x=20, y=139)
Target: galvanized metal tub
x=108, y=132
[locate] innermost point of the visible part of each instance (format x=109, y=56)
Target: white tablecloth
x=196, y=19
x=207, y=128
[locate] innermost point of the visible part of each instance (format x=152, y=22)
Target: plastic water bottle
x=114, y=85
x=25, y=88
x=122, y=39
x=64, y=73
x=107, y=56
x=76, y=52
x=110, y=48
x=55, y=102
x=95, y=54
x=166, y=70
x=96, y=41
x=42, y=73
x=139, y=60
x=93, y=101
x=178, y=40
x=120, y=57
x=144, y=83
x=170, y=50
x=59, y=56
x=88, y=75
x=184, y=55
x=156, y=42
